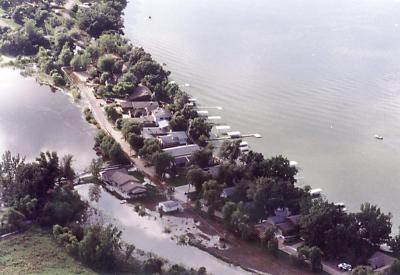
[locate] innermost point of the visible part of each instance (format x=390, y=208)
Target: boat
x=378, y=137
x=234, y=134
x=244, y=146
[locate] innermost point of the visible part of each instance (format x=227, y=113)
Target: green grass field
x=35, y=252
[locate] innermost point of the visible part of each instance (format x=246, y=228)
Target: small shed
x=169, y=206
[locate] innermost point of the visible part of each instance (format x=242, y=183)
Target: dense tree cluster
x=109, y=148
x=35, y=191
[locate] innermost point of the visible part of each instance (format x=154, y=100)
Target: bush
x=152, y=265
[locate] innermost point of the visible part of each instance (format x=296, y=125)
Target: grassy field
x=35, y=252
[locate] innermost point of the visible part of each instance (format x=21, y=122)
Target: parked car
x=109, y=100
x=345, y=267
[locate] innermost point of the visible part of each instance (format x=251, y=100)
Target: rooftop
x=182, y=150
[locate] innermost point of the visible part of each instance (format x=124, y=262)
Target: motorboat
x=378, y=137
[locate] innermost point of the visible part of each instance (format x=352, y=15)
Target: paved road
x=100, y=116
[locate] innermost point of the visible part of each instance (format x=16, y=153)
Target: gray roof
x=133, y=188
x=380, y=259
x=118, y=176
x=184, y=150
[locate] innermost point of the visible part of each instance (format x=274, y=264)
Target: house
x=160, y=114
x=128, y=185
x=153, y=132
x=183, y=153
x=140, y=93
x=173, y=139
x=164, y=125
x=139, y=108
x=228, y=192
x=286, y=225
x=380, y=260
x=169, y=206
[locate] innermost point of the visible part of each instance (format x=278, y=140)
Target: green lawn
x=35, y=252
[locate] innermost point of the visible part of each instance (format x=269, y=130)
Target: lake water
x=318, y=79
x=34, y=119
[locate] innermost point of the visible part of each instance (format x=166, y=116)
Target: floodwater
x=317, y=79
x=33, y=119
x=146, y=233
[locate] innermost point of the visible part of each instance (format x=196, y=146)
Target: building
x=228, y=192
x=380, y=261
x=153, y=132
x=140, y=93
x=286, y=225
x=169, y=206
x=139, y=108
x=183, y=153
x=122, y=182
x=160, y=114
x=173, y=139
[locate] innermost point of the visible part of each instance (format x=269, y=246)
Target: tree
x=199, y=130
x=150, y=147
x=135, y=141
x=201, y=158
x=227, y=211
x=162, y=162
x=211, y=192
x=395, y=268
x=196, y=177
x=279, y=167
x=179, y=123
x=394, y=244
x=112, y=113
x=13, y=219
x=315, y=255
x=362, y=270
x=230, y=150
x=80, y=62
x=152, y=266
x=95, y=168
x=375, y=226
x=129, y=248
x=65, y=56
x=106, y=63
x=99, y=18
x=99, y=246
x=66, y=170
x=129, y=126
x=117, y=155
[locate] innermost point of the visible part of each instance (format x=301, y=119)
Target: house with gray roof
x=120, y=179
x=182, y=154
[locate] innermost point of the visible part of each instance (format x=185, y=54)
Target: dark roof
x=149, y=105
x=286, y=228
x=133, y=188
x=118, y=176
x=295, y=219
x=380, y=259
x=276, y=220
x=140, y=93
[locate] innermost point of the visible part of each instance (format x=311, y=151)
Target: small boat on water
x=378, y=137
x=244, y=146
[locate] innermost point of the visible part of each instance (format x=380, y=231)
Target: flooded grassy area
x=35, y=252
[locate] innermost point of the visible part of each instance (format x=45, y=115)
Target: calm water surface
x=318, y=79
x=34, y=119
x=147, y=234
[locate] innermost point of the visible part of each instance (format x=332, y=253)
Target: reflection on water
x=146, y=233
x=318, y=79
x=33, y=119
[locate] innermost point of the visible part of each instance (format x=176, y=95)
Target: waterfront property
x=126, y=185
x=173, y=139
x=161, y=114
x=138, y=108
x=183, y=153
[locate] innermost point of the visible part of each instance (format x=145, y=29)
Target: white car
x=345, y=267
